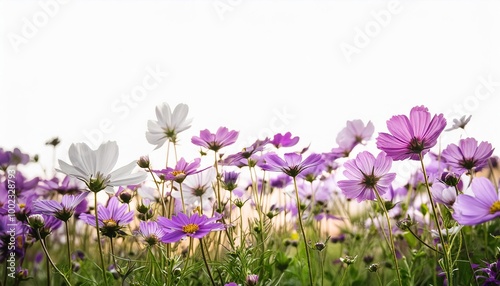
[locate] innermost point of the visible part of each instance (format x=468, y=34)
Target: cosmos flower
x=467, y=156
x=63, y=210
x=181, y=170
x=168, y=125
x=93, y=167
x=111, y=218
x=284, y=140
x=411, y=136
x=483, y=206
x=197, y=188
x=195, y=226
x=364, y=174
x=443, y=193
x=150, y=232
x=292, y=164
x=353, y=134
x=222, y=138
x=459, y=123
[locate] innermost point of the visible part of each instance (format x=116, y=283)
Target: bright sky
x=95, y=70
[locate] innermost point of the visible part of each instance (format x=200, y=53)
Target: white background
x=67, y=66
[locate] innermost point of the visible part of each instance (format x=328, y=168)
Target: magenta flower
x=63, y=210
x=467, y=156
x=195, y=226
x=111, y=218
x=285, y=140
x=222, y=138
x=482, y=207
x=181, y=170
x=364, y=174
x=411, y=136
x=292, y=165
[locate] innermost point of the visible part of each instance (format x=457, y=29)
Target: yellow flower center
x=177, y=173
x=190, y=228
x=109, y=223
x=22, y=206
x=495, y=207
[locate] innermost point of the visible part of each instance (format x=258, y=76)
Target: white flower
x=459, y=123
x=168, y=125
x=198, y=189
x=93, y=167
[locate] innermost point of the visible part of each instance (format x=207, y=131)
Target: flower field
x=274, y=213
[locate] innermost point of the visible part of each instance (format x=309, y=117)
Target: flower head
x=365, y=174
x=111, y=218
x=483, y=206
x=222, y=138
x=63, y=210
x=413, y=136
x=284, y=140
x=93, y=167
x=181, y=170
x=292, y=164
x=467, y=156
x=459, y=123
x=195, y=226
x=198, y=187
x=150, y=232
x=168, y=125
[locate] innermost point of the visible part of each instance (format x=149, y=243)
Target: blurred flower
x=459, y=123
x=12, y=158
x=292, y=164
x=54, y=141
x=168, y=125
x=150, y=232
x=229, y=180
x=364, y=174
x=93, y=167
x=489, y=275
x=443, y=194
x=197, y=188
x=111, y=218
x=222, y=138
x=483, y=206
x=195, y=226
x=467, y=156
x=252, y=279
x=353, y=134
x=40, y=225
x=63, y=210
x=411, y=136
x=181, y=170
x=285, y=140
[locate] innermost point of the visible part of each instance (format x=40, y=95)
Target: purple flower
x=285, y=140
x=245, y=157
x=12, y=158
x=229, y=180
x=292, y=165
x=483, y=206
x=111, y=219
x=68, y=186
x=443, y=193
x=181, y=170
x=222, y=138
x=353, y=134
x=150, y=232
x=364, y=174
x=195, y=226
x=63, y=210
x=467, y=156
x=252, y=279
x=49, y=224
x=412, y=136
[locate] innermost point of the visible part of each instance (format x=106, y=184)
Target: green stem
x=68, y=248
x=423, y=242
x=99, y=240
x=391, y=239
x=206, y=263
x=299, y=213
x=42, y=242
x=343, y=276
x=436, y=220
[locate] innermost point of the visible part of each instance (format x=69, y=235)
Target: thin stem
x=99, y=240
x=206, y=263
x=423, y=242
x=68, y=247
x=299, y=213
x=391, y=239
x=436, y=220
x=42, y=242
x=343, y=276
x=113, y=254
